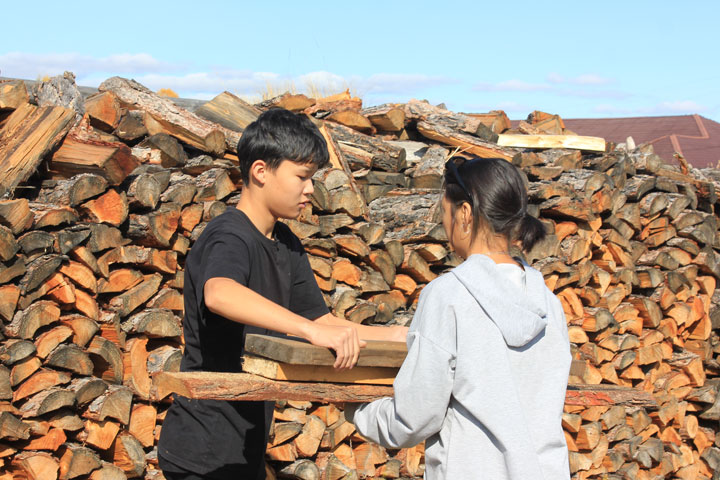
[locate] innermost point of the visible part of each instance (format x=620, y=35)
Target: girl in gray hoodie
x=488, y=350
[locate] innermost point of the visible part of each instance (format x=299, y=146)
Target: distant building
x=693, y=136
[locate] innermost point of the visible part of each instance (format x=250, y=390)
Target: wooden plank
x=297, y=352
x=28, y=134
x=249, y=387
x=593, y=144
x=313, y=373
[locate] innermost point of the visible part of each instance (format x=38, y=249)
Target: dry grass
x=167, y=92
x=275, y=89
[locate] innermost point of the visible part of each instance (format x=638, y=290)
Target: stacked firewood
x=105, y=196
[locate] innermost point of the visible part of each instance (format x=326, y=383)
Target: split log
x=26, y=322
x=15, y=350
x=47, y=341
x=127, y=302
x=142, y=424
x=163, y=116
x=111, y=160
x=39, y=381
x=16, y=215
x=87, y=389
x=213, y=184
x=13, y=95
x=169, y=151
x=288, y=101
x=229, y=111
x=155, y=229
x=13, y=428
x=135, y=360
x=107, y=360
x=127, y=453
x=308, y=441
x=363, y=151
x=100, y=435
x=301, y=469
x=104, y=111
x=77, y=460
x=155, y=323
x=46, y=401
x=387, y=117
x=71, y=357
x=115, y=403
x=35, y=466
x=438, y=128
x=131, y=126
x=80, y=274
x=28, y=135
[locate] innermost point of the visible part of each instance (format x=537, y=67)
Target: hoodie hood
x=520, y=314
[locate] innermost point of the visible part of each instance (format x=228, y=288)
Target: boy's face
x=289, y=188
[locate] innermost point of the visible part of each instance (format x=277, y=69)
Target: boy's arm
x=394, y=333
x=236, y=302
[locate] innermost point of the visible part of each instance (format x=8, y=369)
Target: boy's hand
x=343, y=340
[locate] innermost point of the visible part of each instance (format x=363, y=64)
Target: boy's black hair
x=278, y=135
x=496, y=192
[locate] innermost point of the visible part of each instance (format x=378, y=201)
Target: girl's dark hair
x=278, y=135
x=496, y=192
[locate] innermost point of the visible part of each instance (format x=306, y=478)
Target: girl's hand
x=397, y=333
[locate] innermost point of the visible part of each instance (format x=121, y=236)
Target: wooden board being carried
x=317, y=373
x=281, y=358
x=249, y=387
x=298, y=352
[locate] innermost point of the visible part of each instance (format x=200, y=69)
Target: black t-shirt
x=211, y=437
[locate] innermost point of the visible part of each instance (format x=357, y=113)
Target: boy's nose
x=309, y=188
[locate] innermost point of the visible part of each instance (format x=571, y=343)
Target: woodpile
x=99, y=214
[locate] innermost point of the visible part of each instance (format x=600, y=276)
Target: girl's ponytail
x=530, y=232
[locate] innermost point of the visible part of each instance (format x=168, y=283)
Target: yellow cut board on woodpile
x=592, y=144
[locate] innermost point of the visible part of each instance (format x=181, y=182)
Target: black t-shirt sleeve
x=306, y=299
x=226, y=255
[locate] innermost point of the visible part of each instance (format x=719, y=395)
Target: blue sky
x=577, y=59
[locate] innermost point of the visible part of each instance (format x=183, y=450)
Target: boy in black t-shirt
x=248, y=273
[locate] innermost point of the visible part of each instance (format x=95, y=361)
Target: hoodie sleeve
x=424, y=382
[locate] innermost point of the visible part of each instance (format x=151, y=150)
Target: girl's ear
x=466, y=214
x=258, y=170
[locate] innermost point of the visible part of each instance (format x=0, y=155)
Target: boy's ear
x=258, y=171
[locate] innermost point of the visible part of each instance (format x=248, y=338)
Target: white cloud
x=584, y=79
x=681, y=107
x=400, y=83
x=241, y=81
x=590, y=79
x=31, y=65
x=579, y=86
x=513, y=85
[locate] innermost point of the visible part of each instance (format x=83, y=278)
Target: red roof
x=695, y=137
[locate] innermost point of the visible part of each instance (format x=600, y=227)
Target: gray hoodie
x=484, y=379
